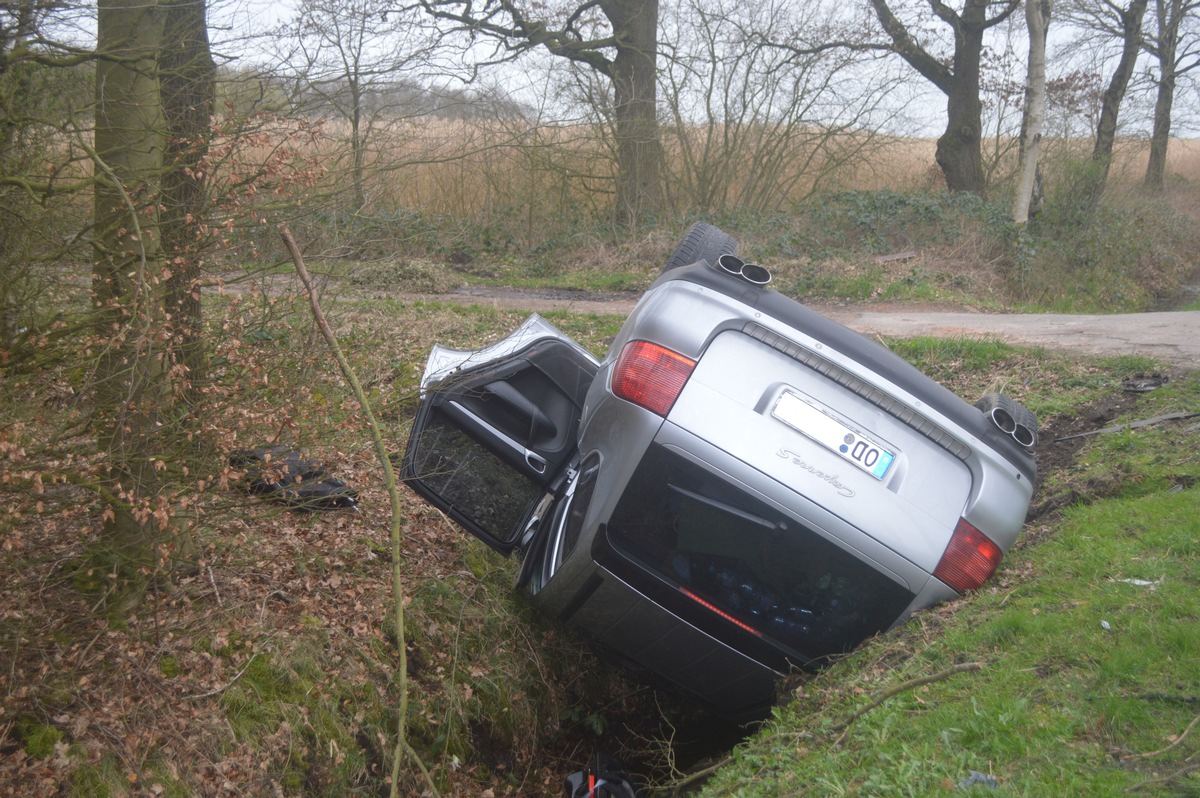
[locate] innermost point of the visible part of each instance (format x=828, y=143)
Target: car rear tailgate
x=733, y=401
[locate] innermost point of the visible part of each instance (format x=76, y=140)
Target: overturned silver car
x=740, y=488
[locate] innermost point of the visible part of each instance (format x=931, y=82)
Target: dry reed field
x=516, y=171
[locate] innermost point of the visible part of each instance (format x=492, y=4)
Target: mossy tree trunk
x=133, y=387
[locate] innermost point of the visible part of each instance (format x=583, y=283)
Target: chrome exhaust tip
x=750, y=272
x=1010, y=417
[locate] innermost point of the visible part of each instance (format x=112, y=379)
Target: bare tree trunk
x=959, y=150
x=132, y=376
x=1106, y=128
x=1037, y=20
x=635, y=90
x=188, y=88
x=1165, y=48
x=357, y=146
x=1160, y=137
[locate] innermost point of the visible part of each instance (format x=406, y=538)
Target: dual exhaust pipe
x=750, y=272
x=1011, y=417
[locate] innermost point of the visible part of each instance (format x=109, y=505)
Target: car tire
x=702, y=241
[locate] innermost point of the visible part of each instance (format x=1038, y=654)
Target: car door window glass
x=472, y=479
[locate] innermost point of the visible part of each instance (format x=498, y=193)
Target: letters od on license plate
x=852, y=446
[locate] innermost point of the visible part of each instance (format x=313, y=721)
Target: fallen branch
x=1177, y=741
x=891, y=692
x=402, y=745
x=1146, y=422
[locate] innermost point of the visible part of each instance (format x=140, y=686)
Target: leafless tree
x=1037, y=21
x=45, y=93
x=1107, y=21
x=959, y=148
x=767, y=100
x=616, y=39
x=347, y=58
x=1175, y=47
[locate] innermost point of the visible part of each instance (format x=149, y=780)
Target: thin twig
x=213, y=582
x=891, y=692
x=692, y=778
x=1177, y=741
x=262, y=608
x=402, y=745
x=230, y=683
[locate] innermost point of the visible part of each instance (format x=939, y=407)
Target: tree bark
x=188, y=88
x=1130, y=20
x=1037, y=20
x=635, y=91
x=1170, y=15
x=132, y=376
x=1160, y=136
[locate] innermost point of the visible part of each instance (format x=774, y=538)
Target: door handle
x=533, y=460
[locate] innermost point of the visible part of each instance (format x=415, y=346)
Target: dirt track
x=1173, y=337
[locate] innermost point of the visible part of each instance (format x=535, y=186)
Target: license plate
x=853, y=447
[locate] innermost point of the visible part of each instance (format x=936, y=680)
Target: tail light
x=970, y=559
x=651, y=376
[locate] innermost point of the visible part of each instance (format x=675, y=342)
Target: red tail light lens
x=651, y=376
x=969, y=560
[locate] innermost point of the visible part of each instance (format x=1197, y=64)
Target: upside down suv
x=740, y=488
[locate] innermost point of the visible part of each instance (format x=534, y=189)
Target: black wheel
x=702, y=241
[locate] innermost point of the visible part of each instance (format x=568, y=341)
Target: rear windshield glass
x=711, y=539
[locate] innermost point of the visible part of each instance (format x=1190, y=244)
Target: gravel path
x=1172, y=337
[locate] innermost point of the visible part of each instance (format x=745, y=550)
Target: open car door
x=497, y=428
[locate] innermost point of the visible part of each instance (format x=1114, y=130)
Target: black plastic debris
x=1144, y=383
x=283, y=475
x=603, y=778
